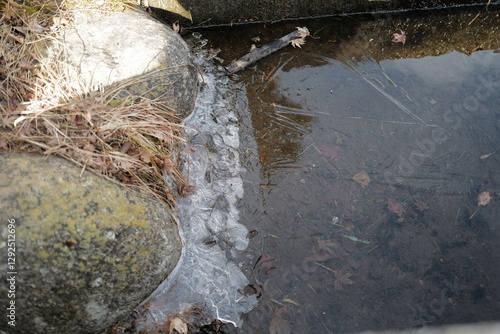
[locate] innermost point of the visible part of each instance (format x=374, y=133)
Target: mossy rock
x=87, y=250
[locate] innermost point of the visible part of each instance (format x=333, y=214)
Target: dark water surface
x=365, y=159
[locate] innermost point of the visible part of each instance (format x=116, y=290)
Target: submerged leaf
x=396, y=207
x=362, y=178
x=486, y=156
x=483, y=198
x=341, y=279
x=355, y=239
x=421, y=205
x=323, y=251
x=291, y=301
x=329, y=152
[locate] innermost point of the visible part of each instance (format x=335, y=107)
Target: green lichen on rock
x=87, y=250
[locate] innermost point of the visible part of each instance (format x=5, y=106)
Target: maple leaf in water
x=323, y=251
x=341, y=279
x=421, y=205
x=399, y=37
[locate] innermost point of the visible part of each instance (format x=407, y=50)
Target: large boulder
x=87, y=250
x=129, y=49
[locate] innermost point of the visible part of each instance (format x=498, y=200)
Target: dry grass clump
x=20, y=26
x=127, y=138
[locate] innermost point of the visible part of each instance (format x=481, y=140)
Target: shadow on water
x=365, y=161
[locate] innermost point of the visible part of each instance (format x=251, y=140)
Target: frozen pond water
x=365, y=159
x=349, y=185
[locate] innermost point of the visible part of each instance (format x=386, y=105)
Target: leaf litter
x=342, y=279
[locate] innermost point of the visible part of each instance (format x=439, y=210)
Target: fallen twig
x=475, y=17
x=296, y=38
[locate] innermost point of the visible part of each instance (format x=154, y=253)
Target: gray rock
x=129, y=49
x=87, y=250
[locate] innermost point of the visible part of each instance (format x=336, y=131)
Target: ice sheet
x=206, y=275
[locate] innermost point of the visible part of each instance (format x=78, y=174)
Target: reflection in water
x=371, y=158
x=279, y=123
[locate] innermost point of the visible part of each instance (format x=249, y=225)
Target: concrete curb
x=205, y=13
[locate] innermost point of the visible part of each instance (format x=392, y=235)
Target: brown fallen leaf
x=323, y=251
x=341, y=279
x=396, y=208
x=399, y=37
x=177, y=325
x=483, y=198
x=421, y=205
x=146, y=157
x=362, y=178
x=329, y=152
